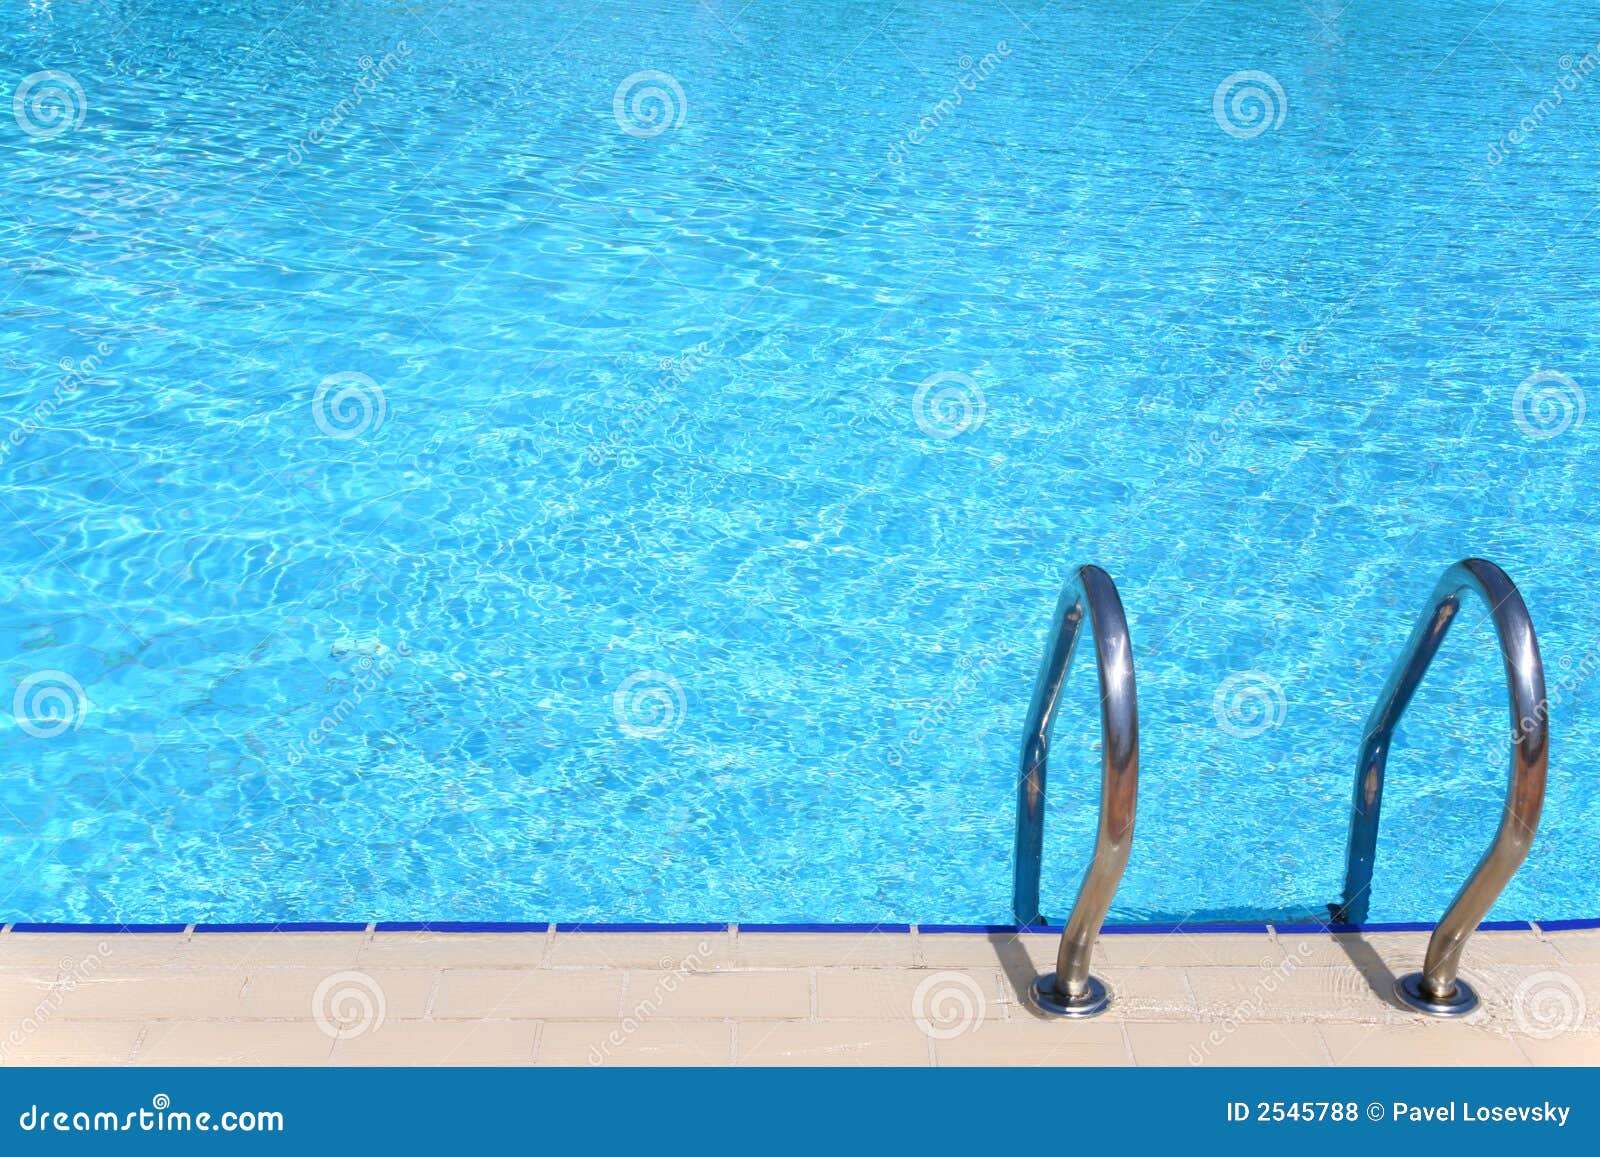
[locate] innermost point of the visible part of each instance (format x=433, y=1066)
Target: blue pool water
x=448, y=474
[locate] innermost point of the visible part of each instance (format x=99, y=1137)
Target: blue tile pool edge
x=462, y=926
x=454, y=926
x=101, y=929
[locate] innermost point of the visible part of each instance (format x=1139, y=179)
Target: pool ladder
x=1437, y=990
x=1070, y=990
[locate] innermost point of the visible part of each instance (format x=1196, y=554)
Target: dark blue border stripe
x=463, y=926
x=1109, y=929
x=926, y=929
x=1186, y=929
x=641, y=927
x=285, y=926
x=824, y=928
x=1403, y=926
x=102, y=928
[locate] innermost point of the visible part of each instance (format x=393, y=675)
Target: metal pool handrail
x=1437, y=989
x=1070, y=990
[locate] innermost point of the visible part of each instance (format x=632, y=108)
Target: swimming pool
x=612, y=462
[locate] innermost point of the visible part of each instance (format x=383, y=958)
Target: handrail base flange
x=1093, y=1002
x=1408, y=991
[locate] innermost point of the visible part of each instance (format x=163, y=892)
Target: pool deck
x=727, y=996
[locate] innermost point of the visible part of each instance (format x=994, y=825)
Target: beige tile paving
x=68, y=1042
x=1433, y=1043
x=667, y=951
x=1404, y=951
x=515, y=994
x=1208, y=1044
x=1567, y=995
x=1151, y=993
x=1576, y=947
x=824, y=950
x=607, y=1042
x=1028, y=1041
x=354, y=994
x=1562, y=1048
x=909, y=993
x=837, y=1042
x=771, y=995
x=53, y=954
x=1190, y=950
x=775, y=999
x=1283, y=992
x=251, y=950
x=440, y=950
x=152, y=995
x=237, y=1042
x=23, y=994
x=432, y=1042
x=1027, y=951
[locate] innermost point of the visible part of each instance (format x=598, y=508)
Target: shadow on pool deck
x=1378, y=975
x=1019, y=971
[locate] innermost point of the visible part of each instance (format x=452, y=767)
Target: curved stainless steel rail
x=1437, y=989
x=1070, y=990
